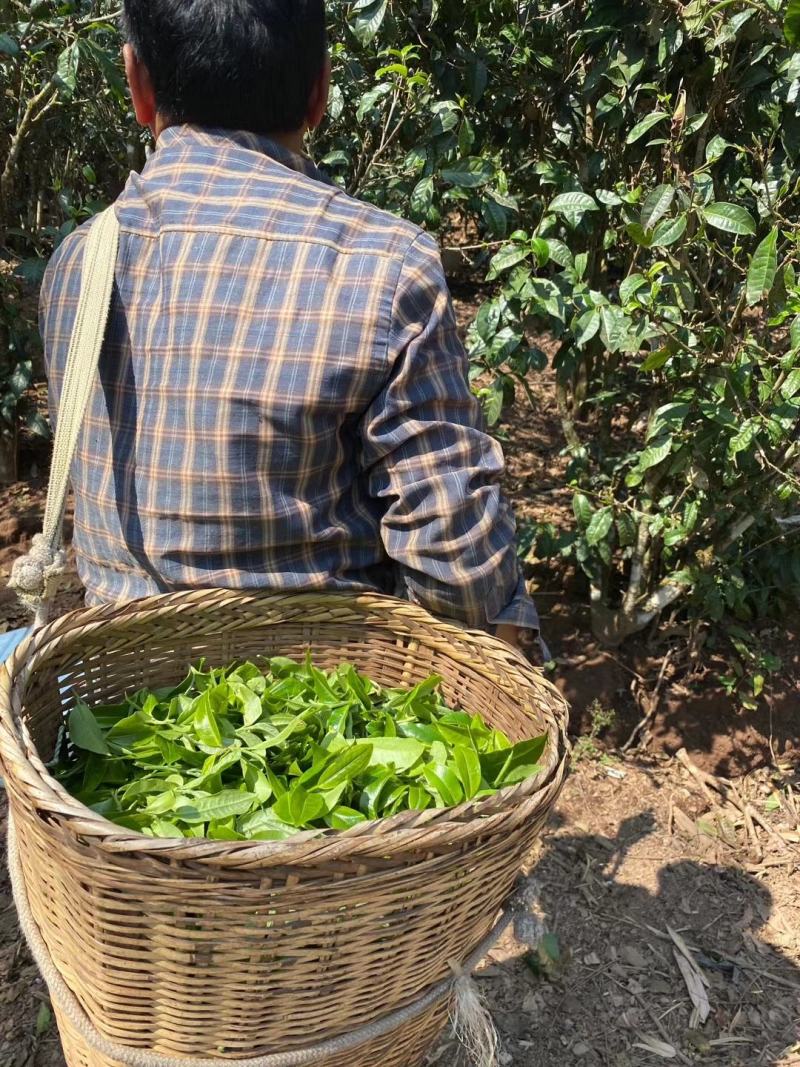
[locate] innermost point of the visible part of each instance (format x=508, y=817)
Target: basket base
x=408, y=1047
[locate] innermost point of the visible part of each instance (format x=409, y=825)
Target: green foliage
x=239, y=753
x=62, y=105
x=44, y=1018
x=665, y=191
x=750, y=666
x=586, y=747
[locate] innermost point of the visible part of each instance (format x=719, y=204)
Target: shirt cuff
x=519, y=611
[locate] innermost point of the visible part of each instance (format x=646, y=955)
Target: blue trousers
x=10, y=640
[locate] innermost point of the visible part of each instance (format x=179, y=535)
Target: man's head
x=258, y=65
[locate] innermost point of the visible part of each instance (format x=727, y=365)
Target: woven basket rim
x=24, y=767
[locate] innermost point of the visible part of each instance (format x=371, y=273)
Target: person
x=282, y=399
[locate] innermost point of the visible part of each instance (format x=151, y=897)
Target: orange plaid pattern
x=282, y=399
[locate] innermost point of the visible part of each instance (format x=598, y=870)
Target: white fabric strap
x=88, y=332
x=35, y=576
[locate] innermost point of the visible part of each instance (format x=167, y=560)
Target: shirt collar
x=255, y=142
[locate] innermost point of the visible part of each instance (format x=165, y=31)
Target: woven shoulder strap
x=35, y=576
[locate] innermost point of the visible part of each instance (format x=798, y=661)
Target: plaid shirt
x=282, y=399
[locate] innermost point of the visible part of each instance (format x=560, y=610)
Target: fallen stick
x=729, y=793
x=650, y=701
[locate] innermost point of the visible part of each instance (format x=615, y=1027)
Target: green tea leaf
x=715, y=149
x=162, y=803
x=263, y=821
x=791, y=386
x=343, y=768
x=559, y=252
x=791, y=23
x=731, y=218
x=468, y=768
x=599, y=526
x=639, y=235
x=205, y=720
x=217, y=806
x=763, y=268
x=582, y=509
x=646, y=124
x=656, y=205
x=668, y=231
x=366, y=18
x=506, y=768
x=294, y=726
x=418, y=798
x=656, y=360
x=630, y=286
x=44, y=1018
x=85, y=732
x=655, y=453
x=67, y=68
x=249, y=700
x=299, y=807
x=614, y=327
x=572, y=202
x=314, y=749
x=541, y=249
x=508, y=257
x=8, y=46
x=400, y=752
x=744, y=438
x=444, y=783
x=469, y=173
x=586, y=326
x=342, y=818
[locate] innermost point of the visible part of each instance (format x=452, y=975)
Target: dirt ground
x=635, y=865
x=658, y=894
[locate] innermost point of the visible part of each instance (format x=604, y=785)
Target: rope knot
x=35, y=577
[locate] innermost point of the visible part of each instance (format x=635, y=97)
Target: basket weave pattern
x=235, y=949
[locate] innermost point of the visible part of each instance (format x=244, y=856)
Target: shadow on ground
x=629, y=993
x=607, y=989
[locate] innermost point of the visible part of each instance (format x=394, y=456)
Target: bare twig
x=474, y=248
x=636, y=578
x=367, y=162
x=656, y=1020
x=549, y=14
x=729, y=793
x=38, y=105
x=650, y=702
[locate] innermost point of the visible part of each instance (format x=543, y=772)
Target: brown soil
x=633, y=856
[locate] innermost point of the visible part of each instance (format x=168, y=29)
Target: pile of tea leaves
x=249, y=752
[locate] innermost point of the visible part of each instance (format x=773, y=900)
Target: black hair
x=239, y=64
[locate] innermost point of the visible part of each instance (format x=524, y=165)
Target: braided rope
x=69, y=1005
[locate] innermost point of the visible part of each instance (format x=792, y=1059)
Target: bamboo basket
x=233, y=950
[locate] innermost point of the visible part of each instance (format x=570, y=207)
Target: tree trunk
x=8, y=455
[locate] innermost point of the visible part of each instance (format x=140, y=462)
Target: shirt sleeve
x=446, y=523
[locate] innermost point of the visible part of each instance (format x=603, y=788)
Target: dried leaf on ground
x=650, y=1043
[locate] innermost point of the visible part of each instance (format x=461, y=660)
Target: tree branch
x=46, y=97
